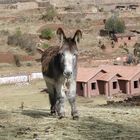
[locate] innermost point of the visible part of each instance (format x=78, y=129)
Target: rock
x=35, y=136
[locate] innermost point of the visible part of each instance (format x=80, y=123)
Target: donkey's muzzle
x=67, y=74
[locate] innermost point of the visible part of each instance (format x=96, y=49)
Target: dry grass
x=96, y=122
x=34, y=121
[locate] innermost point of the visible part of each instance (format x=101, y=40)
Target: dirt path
x=34, y=121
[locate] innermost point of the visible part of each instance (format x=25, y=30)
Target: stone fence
x=13, y=1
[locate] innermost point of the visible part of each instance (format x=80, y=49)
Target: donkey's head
x=68, y=51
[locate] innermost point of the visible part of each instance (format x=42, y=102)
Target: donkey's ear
x=77, y=36
x=40, y=50
x=61, y=35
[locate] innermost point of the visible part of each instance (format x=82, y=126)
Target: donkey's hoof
x=61, y=115
x=53, y=113
x=76, y=117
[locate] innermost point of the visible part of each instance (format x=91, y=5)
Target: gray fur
x=60, y=73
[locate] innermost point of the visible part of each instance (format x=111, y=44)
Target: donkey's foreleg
x=60, y=101
x=71, y=95
x=52, y=97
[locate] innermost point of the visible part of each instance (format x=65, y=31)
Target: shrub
x=49, y=14
x=4, y=32
x=101, y=9
x=77, y=20
x=45, y=46
x=24, y=41
x=17, y=60
x=115, y=24
x=29, y=64
x=46, y=34
x=18, y=31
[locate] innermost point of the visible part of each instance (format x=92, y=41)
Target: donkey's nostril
x=67, y=74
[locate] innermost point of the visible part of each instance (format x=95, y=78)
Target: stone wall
x=63, y=3
x=13, y=1
x=26, y=5
x=96, y=2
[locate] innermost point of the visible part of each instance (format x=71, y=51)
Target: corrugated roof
x=85, y=74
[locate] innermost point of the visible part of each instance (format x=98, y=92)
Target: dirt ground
x=24, y=115
x=24, y=111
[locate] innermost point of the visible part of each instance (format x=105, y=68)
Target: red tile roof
x=85, y=74
x=127, y=72
x=108, y=76
x=123, y=72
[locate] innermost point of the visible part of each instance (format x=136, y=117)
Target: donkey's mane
x=49, y=54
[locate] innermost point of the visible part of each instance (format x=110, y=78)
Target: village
x=108, y=73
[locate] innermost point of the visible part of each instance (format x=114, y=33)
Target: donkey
x=59, y=68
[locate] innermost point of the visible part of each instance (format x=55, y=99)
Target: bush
x=24, y=41
x=4, y=32
x=18, y=32
x=115, y=25
x=46, y=34
x=17, y=60
x=45, y=46
x=49, y=14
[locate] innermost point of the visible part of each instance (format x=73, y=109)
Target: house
x=129, y=83
x=127, y=39
x=133, y=6
x=108, y=84
x=108, y=80
x=121, y=7
x=87, y=81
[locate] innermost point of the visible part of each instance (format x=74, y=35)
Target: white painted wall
x=20, y=78
x=13, y=79
x=36, y=75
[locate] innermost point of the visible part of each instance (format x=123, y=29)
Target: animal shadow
x=36, y=113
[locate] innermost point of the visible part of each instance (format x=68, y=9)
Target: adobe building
x=108, y=80
x=129, y=83
x=87, y=81
x=128, y=39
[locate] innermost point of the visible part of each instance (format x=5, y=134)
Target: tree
x=115, y=25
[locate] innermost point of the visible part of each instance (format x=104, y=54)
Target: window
x=93, y=86
x=114, y=85
x=81, y=86
x=129, y=38
x=135, y=84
